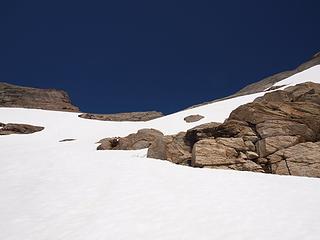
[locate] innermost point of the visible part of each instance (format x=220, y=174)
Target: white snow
x=54, y=190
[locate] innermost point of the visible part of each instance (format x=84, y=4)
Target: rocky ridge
x=130, y=116
x=267, y=83
x=26, y=97
x=278, y=133
x=17, y=128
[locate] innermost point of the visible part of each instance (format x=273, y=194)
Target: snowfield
x=53, y=190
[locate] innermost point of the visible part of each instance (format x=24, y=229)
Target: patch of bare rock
x=131, y=116
x=26, y=97
x=278, y=133
x=193, y=118
x=15, y=128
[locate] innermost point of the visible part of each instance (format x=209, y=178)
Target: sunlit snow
x=68, y=190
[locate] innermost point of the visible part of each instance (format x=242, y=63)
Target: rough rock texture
x=212, y=153
x=142, y=139
x=25, y=97
x=193, y=118
x=270, y=145
x=278, y=133
x=173, y=148
x=131, y=116
x=280, y=123
x=302, y=159
x=201, y=132
x=15, y=128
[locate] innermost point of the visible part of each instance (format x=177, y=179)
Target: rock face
x=173, y=148
x=302, y=159
x=15, y=128
x=142, y=139
x=278, y=133
x=131, y=116
x=193, y=118
x=25, y=97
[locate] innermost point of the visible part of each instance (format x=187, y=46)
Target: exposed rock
x=210, y=153
x=25, y=97
x=235, y=143
x=67, y=140
x=15, y=128
x=131, y=116
x=108, y=143
x=172, y=148
x=201, y=132
x=252, y=155
x=269, y=81
x=193, y=118
x=302, y=159
x=250, y=145
x=233, y=128
x=142, y=139
x=270, y=145
x=273, y=128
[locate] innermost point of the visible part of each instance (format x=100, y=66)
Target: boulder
x=172, y=148
x=142, y=139
x=208, y=152
x=17, y=128
x=26, y=97
x=130, y=116
x=193, y=118
x=302, y=159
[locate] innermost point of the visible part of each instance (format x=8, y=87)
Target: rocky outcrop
x=142, y=139
x=193, y=118
x=130, y=116
x=278, y=133
x=25, y=97
x=16, y=128
x=201, y=132
x=173, y=148
x=302, y=159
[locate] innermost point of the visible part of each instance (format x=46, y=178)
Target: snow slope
x=52, y=190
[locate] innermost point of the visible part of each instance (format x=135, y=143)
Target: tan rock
x=252, y=155
x=193, y=118
x=235, y=143
x=130, y=116
x=17, y=128
x=172, y=148
x=201, y=132
x=208, y=152
x=26, y=97
x=302, y=159
x=142, y=139
x=270, y=145
x=271, y=128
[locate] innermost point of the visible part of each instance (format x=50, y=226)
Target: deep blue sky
x=115, y=56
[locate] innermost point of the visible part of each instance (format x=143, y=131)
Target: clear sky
x=132, y=55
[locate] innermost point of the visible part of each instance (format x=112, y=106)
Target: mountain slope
x=68, y=190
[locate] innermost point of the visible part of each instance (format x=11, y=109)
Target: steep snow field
x=53, y=190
